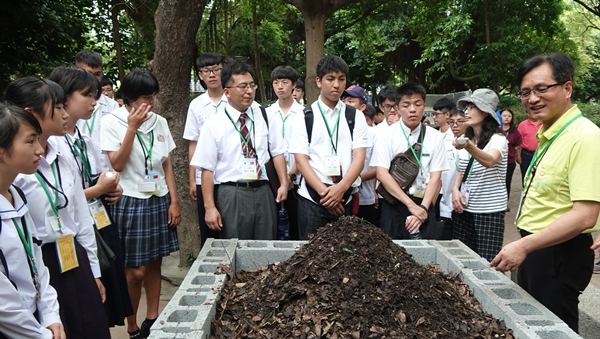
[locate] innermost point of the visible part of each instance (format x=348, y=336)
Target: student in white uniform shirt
x=282, y=115
x=92, y=61
x=63, y=223
x=330, y=140
x=389, y=106
x=441, y=115
x=235, y=148
x=201, y=109
x=101, y=189
x=356, y=97
x=138, y=143
x=422, y=194
x=29, y=307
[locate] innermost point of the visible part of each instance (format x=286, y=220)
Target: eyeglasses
x=436, y=114
x=455, y=122
x=206, y=72
x=245, y=87
x=468, y=108
x=524, y=94
x=387, y=108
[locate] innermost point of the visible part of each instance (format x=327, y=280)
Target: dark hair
x=332, y=63
x=118, y=95
x=410, y=89
x=444, y=105
x=388, y=92
x=35, y=93
x=90, y=58
x=234, y=68
x=369, y=111
x=73, y=79
x=563, y=68
x=300, y=85
x=489, y=127
x=284, y=72
x=456, y=111
x=106, y=81
x=511, y=125
x=11, y=118
x=137, y=83
x=209, y=59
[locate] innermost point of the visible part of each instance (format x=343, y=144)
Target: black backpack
x=309, y=120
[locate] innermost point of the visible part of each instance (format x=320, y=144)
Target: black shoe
x=135, y=335
x=145, y=328
x=507, y=209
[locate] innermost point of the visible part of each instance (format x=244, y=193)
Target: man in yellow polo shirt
x=561, y=197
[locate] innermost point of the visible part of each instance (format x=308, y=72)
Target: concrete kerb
x=189, y=314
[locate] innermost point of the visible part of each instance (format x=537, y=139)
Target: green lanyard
x=86, y=169
x=148, y=151
x=25, y=240
x=411, y=148
x=53, y=203
x=283, y=127
x=246, y=141
x=329, y=130
x=537, y=157
x=91, y=128
x=217, y=106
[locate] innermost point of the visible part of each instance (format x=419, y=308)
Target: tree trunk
x=258, y=70
x=315, y=13
x=177, y=23
x=226, y=23
x=114, y=14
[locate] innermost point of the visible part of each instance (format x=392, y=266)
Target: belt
x=527, y=151
x=581, y=235
x=247, y=184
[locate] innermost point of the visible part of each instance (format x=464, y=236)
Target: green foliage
x=38, y=35
x=191, y=257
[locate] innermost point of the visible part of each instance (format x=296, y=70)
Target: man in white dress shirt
x=235, y=148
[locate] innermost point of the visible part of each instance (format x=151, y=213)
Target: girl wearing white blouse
x=29, y=307
x=61, y=215
x=138, y=143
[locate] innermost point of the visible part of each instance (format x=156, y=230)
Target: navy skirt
x=144, y=230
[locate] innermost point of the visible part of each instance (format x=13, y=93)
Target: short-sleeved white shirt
x=449, y=175
x=393, y=141
x=92, y=126
x=200, y=110
x=488, y=185
x=114, y=127
x=282, y=127
x=366, y=192
x=320, y=144
x=221, y=151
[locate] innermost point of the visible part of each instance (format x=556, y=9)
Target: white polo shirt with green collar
x=567, y=172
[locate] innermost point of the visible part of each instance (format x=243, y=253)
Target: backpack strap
x=350, y=115
x=264, y=114
x=309, y=120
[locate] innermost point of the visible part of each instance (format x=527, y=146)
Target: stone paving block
x=251, y=254
x=421, y=250
x=452, y=249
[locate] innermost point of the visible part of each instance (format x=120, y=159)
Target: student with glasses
x=235, y=149
x=200, y=110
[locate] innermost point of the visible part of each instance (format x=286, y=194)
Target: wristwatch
x=292, y=176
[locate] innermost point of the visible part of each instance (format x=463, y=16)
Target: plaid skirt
x=144, y=230
x=482, y=232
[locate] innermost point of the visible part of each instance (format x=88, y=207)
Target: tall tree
x=177, y=23
x=315, y=13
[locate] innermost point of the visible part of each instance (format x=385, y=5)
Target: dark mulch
x=351, y=281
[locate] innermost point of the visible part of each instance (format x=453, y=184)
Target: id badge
x=466, y=192
x=249, y=169
x=286, y=155
x=332, y=165
x=98, y=213
x=67, y=257
x=54, y=222
x=421, y=186
x=151, y=178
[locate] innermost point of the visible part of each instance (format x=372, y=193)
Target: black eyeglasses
x=387, y=108
x=245, y=87
x=524, y=94
x=206, y=72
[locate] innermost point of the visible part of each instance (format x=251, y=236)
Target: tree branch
x=595, y=12
x=455, y=76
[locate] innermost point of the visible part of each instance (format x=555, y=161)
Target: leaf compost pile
x=351, y=281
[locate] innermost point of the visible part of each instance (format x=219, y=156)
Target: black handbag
x=106, y=256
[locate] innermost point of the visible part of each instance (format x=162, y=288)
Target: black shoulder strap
x=466, y=174
x=21, y=194
x=350, y=115
x=309, y=120
x=264, y=114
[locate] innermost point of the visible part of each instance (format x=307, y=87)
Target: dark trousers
x=510, y=170
x=556, y=275
x=205, y=232
x=312, y=216
x=369, y=213
x=526, y=156
x=393, y=218
x=448, y=233
x=291, y=205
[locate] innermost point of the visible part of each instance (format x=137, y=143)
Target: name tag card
x=332, y=165
x=466, y=193
x=98, y=213
x=421, y=186
x=249, y=169
x=67, y=257
x=150, y=183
